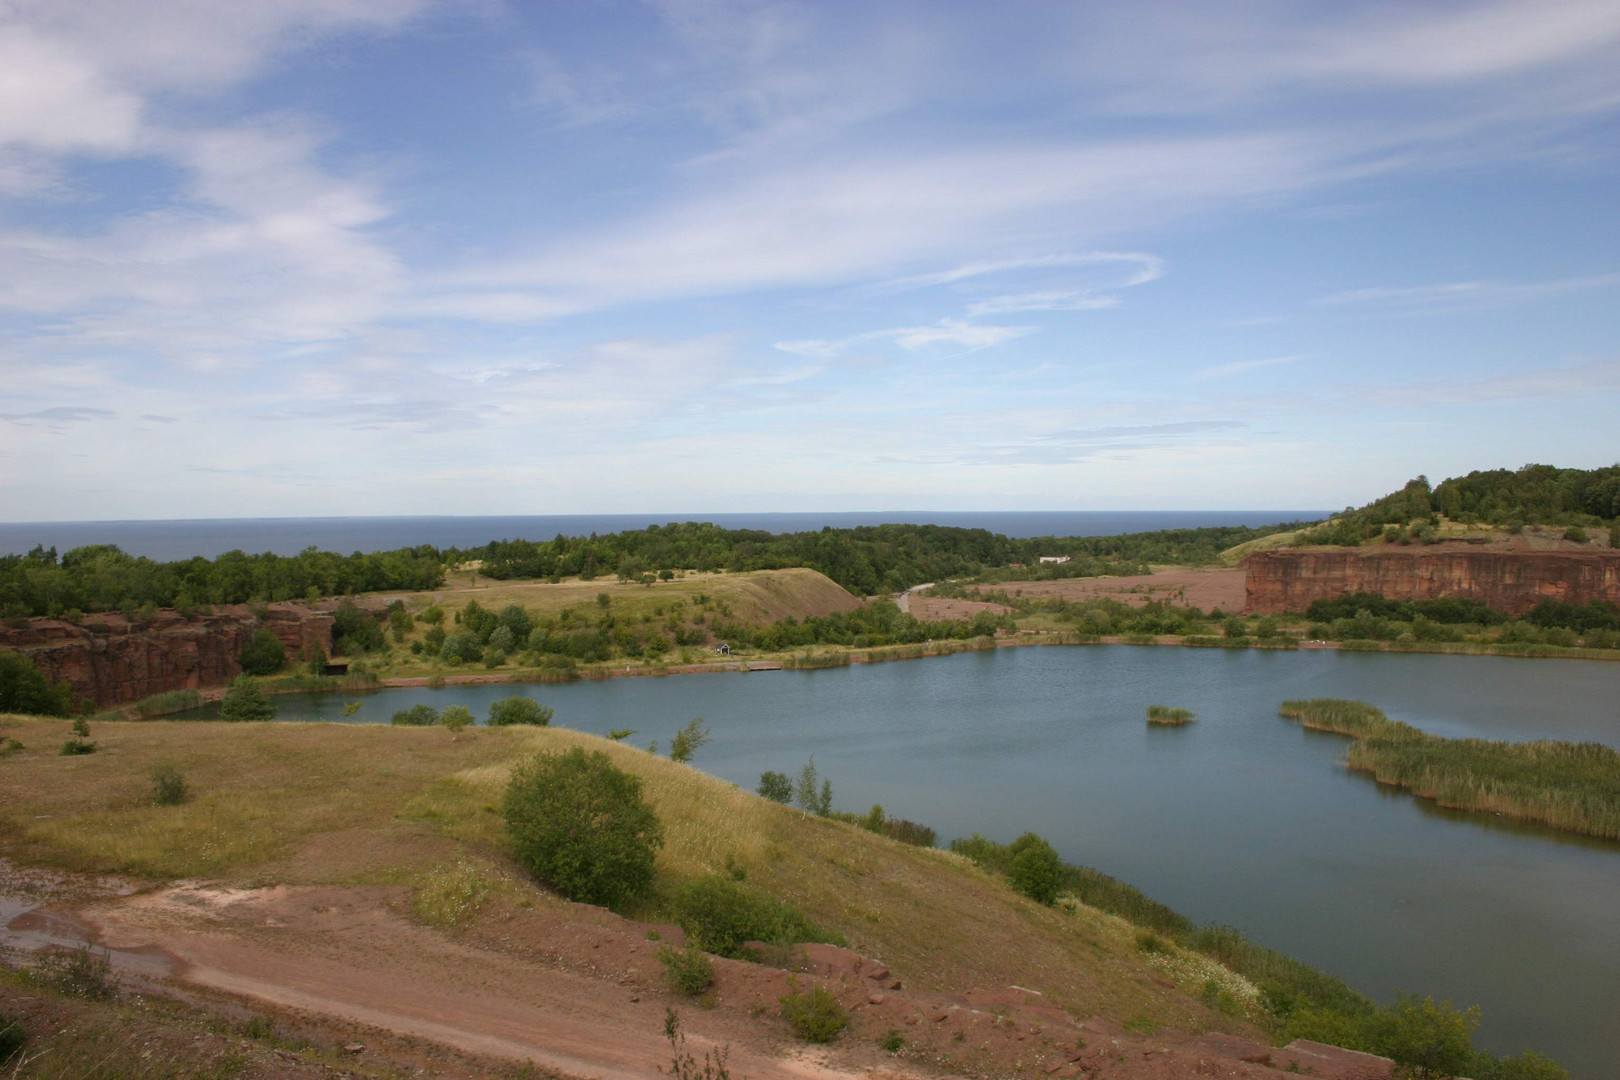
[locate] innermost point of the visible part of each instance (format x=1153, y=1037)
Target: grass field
x=313, y=803
x=1571, y=786
x=755, y=596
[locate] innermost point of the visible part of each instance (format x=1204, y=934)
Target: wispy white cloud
x=1225, y=371
x=947, y=332
x=1451, y=295
x=1582, y=380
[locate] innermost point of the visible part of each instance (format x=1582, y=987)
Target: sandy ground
x=1220, y=587
x=578, y=992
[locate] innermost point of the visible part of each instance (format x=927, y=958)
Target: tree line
x=102, y=577
x=867, y=560
x=1531, y=495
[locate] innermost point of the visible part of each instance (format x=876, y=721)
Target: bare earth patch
x=1205, y=588
x=578, y=992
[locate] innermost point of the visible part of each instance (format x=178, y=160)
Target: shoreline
x=888, y=653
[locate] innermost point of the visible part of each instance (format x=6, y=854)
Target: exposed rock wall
x=1514, y=582
x=109, y=660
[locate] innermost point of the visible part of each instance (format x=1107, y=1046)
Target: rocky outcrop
x=1511, y=581
x=109, y=659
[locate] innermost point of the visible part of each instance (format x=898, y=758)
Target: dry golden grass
x=309, y=803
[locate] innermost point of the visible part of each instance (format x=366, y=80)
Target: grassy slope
x=337, y=803
x=756, y=596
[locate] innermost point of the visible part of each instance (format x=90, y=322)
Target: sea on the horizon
x=171, y=540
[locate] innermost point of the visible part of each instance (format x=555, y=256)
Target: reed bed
x=1164, y=714
x=1569, y=786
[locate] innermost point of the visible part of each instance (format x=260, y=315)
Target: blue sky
x=398, y=257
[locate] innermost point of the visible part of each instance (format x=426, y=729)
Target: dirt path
x=578, y=992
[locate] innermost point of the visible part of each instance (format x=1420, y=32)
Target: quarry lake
x=1241, y=818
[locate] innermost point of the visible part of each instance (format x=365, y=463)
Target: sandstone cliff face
x=1514, y=582
x=109, y=660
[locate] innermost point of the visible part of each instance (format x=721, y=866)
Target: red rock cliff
x=1511, y=581
x=110, y=660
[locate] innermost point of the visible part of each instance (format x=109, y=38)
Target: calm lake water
x=1241, y=818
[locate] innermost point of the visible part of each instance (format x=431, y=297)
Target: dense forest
x=1532, y=495
x=866, y=560
x=103, y=578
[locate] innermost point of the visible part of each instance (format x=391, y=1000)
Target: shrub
x=78, y=973
x=687, y=741
x=1526, y=1066
x=416, y=716
x=1035, y=869
x=12, y=1038
x=264, y=654
x=815, y=1017
x=244, y=701
x=355, y=632
x=720, y=916
x=893, y=1041
x=168, y=786
x=1431, y=1040
x=518, y=709
x=455, y=717
x=450, y=895
x=1576, y=534
x=24, y=689
x=687, y=970
x=1164, y=714
x=580, y=825
x=80, y=743
x=778, y=787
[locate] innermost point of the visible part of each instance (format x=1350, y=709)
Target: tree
x=264, y=654
x=518, y=709
x=1431, y=1040
x=1035, y=869
x=580, y=825
x=778, y=787
x=687, y=741
x=816, y=801
x=244, y=701
x=24, y=688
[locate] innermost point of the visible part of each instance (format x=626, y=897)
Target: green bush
x=518, y=709
x=12, y=1038
x=455, y=717
x=168, y=786
x=416, y=716
x=1430, y=1040
x=816, y=1016
x=1526, y=1066
x=355, y=632
x=687, y=970
x=1035, y=869
x=778, y=787
x=264, y=654
x=580, y=825
x=24, y=689
x=720, y=916
x=244, y=701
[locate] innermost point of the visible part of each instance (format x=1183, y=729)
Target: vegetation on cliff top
x=1571, y=786
x=1532, y=495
